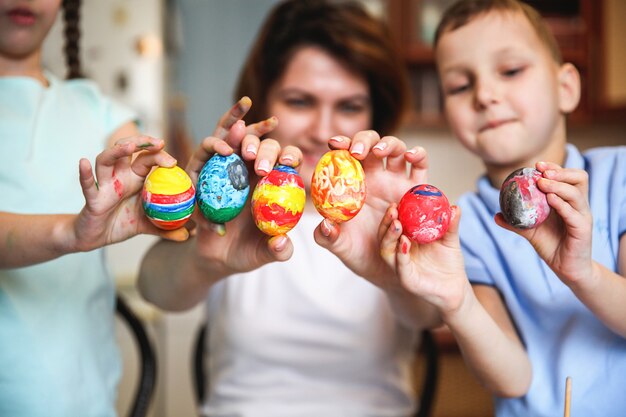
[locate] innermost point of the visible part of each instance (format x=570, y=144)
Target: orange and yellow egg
x=338, y=186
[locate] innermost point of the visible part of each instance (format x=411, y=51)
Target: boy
x=543, y=303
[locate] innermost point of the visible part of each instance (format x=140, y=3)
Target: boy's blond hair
x=464, y=11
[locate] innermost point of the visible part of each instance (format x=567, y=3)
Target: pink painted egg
x=523, y=205
x=424, y=212
x=338, y=186
x=278, y=201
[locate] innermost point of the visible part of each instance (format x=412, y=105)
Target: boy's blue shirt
x=562, y=337
x=58, y=353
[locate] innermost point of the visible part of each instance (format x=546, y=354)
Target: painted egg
x=338, y=186
x=278, y=201
x=424, y=212
x=222, y=188
x=168, y=197
x=523, y=205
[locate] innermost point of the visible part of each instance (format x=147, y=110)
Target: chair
x=148, y=366
x=427, y=352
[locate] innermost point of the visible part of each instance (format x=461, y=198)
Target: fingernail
x=264, y=165
x=326, y=229
x=380, y=146
x=281, y=243
x=240, y=123
x=287, y=159
x=337, y=139
x=357, y=149
x=251, y=149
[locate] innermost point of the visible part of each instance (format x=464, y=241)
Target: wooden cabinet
x=591, y=34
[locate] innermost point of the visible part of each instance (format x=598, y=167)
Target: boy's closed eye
x=511, y=72
x=457, y=85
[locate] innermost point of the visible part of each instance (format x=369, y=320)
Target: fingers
x=404, y=265
x=207, y=148
x=267, y=155
x=393, y=149
x=418, y=160
x=326, y=234
x=389, y=233
x=567, y=193
x=291, y=156
x=178, y=235
x=87, y=180
x=263, y=127
x=143, y=163
x=280, y=248
x=228, y=119
x=451, y=237
x=362, y=142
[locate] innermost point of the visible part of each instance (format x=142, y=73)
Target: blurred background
x=176, y=62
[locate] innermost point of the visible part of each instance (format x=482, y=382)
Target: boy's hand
x=563, y=240
x=244, y=247
x=356, y=241
x=113, y=209
x=433, y=271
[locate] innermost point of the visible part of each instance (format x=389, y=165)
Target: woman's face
x=315, y=99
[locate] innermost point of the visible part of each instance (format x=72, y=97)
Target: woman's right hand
x=243, y=247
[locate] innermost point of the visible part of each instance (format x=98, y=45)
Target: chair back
x=148, y=364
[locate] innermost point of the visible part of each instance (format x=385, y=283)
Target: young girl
x=58, y=355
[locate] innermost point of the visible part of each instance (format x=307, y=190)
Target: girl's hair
x=463, y=11
x=71, y=17
x=343, y=29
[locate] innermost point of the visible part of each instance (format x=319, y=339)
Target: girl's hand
x=563, y=240
x=113, y=209
x=433, y=271
x=384, y=161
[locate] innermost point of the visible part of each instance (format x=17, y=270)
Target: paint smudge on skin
x=119, y=188
x=405, y=248
x=145, y=145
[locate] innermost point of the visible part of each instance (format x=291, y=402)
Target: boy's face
x=501, y=89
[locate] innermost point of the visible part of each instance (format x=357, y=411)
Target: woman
x=309, y=335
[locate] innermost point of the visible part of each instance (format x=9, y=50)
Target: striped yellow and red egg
x=278, y=201
x=168, y=197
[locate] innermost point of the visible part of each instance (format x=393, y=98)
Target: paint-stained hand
x=113, y=209
x=563, y=240
x=433, y=271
